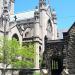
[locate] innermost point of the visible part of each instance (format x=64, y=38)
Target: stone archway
x=16, y=37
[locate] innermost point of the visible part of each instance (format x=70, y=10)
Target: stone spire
x=12, y=7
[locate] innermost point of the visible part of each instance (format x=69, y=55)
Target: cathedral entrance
x=56, y=65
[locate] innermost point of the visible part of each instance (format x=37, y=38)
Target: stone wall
x=71, y=50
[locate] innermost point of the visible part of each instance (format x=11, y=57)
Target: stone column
x=37, y=36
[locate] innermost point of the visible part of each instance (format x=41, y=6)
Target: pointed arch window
x=26, y=34
x=49, y=25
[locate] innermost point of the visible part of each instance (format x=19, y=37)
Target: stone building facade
x=69, y=38
x=30, y=26
x=59, y=55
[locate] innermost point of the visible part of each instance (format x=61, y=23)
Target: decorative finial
x=12, y=1
x=15, y=17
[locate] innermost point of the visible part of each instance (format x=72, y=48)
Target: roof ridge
x=24, y=11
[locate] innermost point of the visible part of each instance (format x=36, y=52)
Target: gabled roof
x=71, y=26
x=67, y=30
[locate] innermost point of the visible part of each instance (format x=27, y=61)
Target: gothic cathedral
x=29, y=26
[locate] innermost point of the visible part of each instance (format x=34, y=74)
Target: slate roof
x=23, y=15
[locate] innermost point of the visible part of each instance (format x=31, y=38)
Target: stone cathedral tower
x=47, y=22
x=6, y=10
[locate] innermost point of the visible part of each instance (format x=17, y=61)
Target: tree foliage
x=16, y=55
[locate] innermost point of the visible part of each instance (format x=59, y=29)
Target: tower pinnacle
x=42, y=4
x=12, y=7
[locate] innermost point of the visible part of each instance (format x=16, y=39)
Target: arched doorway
x=16, y=37
x=56, y=65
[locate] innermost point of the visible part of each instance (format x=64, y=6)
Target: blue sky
x=65, y=10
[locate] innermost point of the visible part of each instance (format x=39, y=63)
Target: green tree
x=16, y=55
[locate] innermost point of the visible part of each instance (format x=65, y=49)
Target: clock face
x=49, y=26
